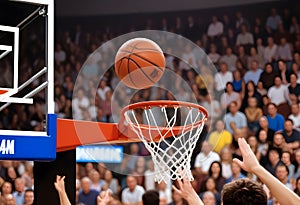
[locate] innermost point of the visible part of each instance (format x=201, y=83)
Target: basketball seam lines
x=142, y=70
x=145, y=59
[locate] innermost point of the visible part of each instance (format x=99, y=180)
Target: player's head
x=151, y=197
x=243, y=192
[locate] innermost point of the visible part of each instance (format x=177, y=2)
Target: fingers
x=176, y=190
x=239, y=162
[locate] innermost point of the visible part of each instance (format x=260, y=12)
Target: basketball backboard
x=27, y=29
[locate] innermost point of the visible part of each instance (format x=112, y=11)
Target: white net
x=170, y=134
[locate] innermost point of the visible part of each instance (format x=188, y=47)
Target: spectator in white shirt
x=244, y=38
x=295, y=116
x=278, y=93
x=215, y=28
x=222, y=77
x=205, y=158
x=133, y=193
x=59, y=54
x=270, y=52
x=103, y=89
x=79, y=104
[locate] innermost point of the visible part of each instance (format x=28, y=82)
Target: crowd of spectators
x=258, y=67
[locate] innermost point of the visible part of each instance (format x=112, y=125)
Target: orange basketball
x=139, y=63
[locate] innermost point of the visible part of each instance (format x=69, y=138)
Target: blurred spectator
x=165, y=193
x=103, y=89
x=213, y=55
x=238, y=82
x=275, y=120
x=149, y=176
x=291, y=135
x=229, y=58
x=226, y=160
x=286, y=159
x=253, y=114
x=129, y=161
x=96, y=182
x=221, y=78
x=295, y=27
x=270, y=52
x=272, y=21
x=133, y=193
x=87, y=195
x=254, y=73
x=20, y=191
x=240, y=20
x=242, y=56
x=189, y=58
x=284, y=50
x=205, y=158
x=215, y=29
x=260, y=89
x=215, y=171
x=220, y=137
x=6, y=189
x=59, y=54
x=255, y=56
x=295, y=115
x=278, y=93
x=283, y=72
x=79, y=104
x=263, y=146
x=244, y=37
x=260, y=47
x=111, y=183
x=267, y=77
x=209, y=184
x=28, y=197
x=282, y=173
x=212, y=106
x=236, y=173
x=274, y=156
x=139, y=171
x=191, y=30
x=229, y=96
x=294, y=88
x=209, y=198
x=235, y=121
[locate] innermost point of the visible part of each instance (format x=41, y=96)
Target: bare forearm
x=63, y=198
x=282, y=193
x=194, y=199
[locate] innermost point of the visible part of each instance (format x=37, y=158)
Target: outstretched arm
x=60, y=187
x=187, y=192
x=283, y=194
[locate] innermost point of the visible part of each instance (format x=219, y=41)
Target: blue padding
x=37, y=148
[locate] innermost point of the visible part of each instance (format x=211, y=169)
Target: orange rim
x=3, y=91
x=165, y=103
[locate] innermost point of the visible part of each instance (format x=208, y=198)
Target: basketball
x=139, y=63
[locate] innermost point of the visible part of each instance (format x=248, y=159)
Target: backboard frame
x=33, y=145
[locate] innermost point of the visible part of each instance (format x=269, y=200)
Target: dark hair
x=29, y=190
x=244, y=192
x=210, y=171
x=271, y=103
x=289, y=120
x=283, y=165
x=151, y=197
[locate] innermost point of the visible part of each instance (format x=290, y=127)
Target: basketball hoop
x=170, y=141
